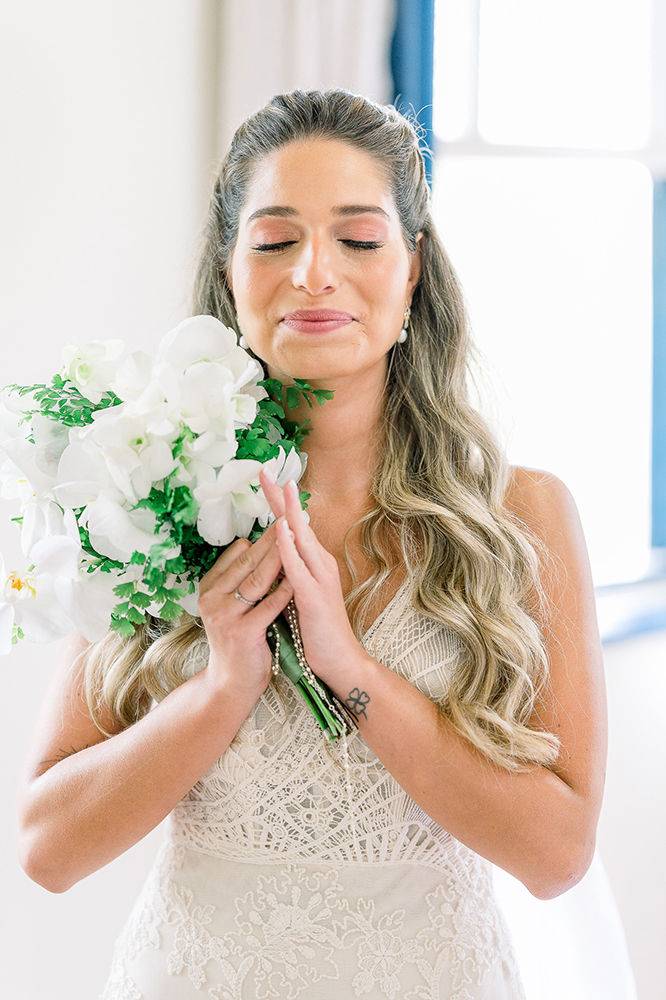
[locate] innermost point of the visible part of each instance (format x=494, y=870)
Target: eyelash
x=357, y=245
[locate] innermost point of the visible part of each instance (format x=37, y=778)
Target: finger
x=259, y=580
x=267, y=610
x=294, y=566
x=272, y=492
x=241, y=551
x=306, y=541
x=223, y=562
x=249, y=560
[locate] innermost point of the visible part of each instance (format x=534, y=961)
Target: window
x=544, y=136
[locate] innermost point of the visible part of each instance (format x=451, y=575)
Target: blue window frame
x=412, y=66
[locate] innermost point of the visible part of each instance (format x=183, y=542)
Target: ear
x=415, y=267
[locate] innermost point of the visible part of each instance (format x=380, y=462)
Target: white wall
x=102, y=122
x=104, y=119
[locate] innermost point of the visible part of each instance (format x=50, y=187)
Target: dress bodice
x=283, y=793
x=299, y=868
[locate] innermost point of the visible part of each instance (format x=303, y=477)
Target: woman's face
x=320, y=274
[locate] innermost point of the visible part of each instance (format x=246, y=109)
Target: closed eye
x=284, y=244
x=362, y=244
x=268, y=247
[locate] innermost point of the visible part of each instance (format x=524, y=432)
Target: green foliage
x=122, y=626
x=290, y=395
x=17, y=634
x=62, y=401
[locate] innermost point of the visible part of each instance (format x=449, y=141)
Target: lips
x=317, y=320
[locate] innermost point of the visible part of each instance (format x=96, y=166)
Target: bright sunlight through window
x=554, y=248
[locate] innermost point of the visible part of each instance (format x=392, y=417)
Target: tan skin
x=80, y=812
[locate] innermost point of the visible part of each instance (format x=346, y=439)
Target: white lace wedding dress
x=296, y=868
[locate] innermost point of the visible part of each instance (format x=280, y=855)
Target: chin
x=323, y=364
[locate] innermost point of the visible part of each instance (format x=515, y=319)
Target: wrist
x=354, y=685
x=225, y=687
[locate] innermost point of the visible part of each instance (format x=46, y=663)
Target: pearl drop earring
x=402, y=336
x=242, y=342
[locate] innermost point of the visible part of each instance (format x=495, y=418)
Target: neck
x=342, y=444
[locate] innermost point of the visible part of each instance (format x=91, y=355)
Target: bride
x=444, y=598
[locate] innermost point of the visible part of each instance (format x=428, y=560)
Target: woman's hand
x=237, y=608
x=328, y=639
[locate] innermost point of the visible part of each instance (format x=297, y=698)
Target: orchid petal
x=199, y=338
x=215, y=522
x=58, y=555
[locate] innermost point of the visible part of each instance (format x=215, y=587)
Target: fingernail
x=286, y=530
x=292, y=487
x=270, y=475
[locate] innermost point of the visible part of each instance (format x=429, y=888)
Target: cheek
x=389, y=287
x=249, y=285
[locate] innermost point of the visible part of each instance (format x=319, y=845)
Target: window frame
x=639, y=605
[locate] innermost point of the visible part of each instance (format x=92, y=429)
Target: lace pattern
x=293, y=864
x=303, y=931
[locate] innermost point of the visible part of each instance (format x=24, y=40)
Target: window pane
x=555, y=258
x=455, y=68
x=572, y=73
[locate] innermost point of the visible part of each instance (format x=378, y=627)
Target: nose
x=316, y=271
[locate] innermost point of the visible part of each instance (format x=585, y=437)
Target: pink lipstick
x=317, y=320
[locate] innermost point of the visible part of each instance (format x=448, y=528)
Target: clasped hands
x=238, y=598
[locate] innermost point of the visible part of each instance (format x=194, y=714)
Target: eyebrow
x=285, y=212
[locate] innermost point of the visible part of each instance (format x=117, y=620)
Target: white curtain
x=269, y=47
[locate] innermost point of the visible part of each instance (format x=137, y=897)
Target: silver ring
x=239, y=597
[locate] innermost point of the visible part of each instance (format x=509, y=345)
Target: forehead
x=316, y=175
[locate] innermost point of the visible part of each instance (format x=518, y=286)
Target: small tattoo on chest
x=357, y=701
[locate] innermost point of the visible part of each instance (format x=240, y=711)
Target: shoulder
x=542, y=502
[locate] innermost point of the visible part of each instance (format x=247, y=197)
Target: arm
x=86, y=799
x=539, y=825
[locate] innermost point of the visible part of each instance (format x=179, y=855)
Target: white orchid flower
x=118, y=531
x=44, y=518
x=92, y=367
x=209, y=401
x=87, y=599
x=36, y=460
x=28, y=600
x=230, y=505
x=134, y=455
x=82, y=471
x=198, y=338
x=34, y=468
x=200, y=457
x=152, y=386
x=204, y=338
x=286, y=466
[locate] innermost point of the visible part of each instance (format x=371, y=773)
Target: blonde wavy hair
x=439, y=491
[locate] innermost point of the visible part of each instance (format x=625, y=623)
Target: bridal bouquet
x=133, y=475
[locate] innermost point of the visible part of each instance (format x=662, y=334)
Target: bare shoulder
x=543, y=503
